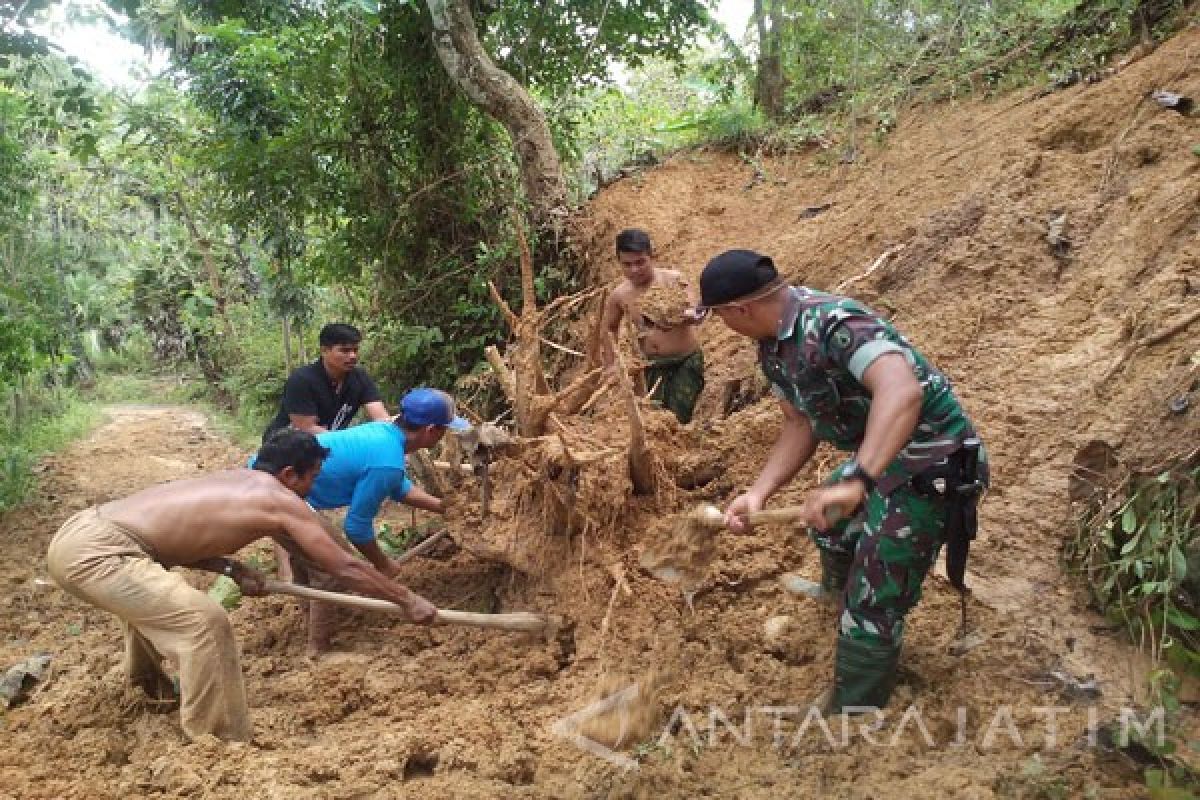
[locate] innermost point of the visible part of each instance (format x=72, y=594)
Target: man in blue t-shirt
x=365, y=466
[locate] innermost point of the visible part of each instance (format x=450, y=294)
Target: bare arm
x=792, y=450
x=301, y=525
x=377, y=411
x=419, y=498
x=895, y=407
x=306, y=422
x=614, y=310
x=379, y=559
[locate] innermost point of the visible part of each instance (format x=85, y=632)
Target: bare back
x=192, y=521
x=215, y=515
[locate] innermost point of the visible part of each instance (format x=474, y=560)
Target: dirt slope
x=1026, y=334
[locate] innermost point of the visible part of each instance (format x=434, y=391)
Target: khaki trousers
x=111, y=568
x=323, y=618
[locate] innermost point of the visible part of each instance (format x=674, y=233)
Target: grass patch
x=56, y=418
x=140, y=388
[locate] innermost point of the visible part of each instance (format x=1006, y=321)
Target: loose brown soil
x=664, y=304
x=1028, y=334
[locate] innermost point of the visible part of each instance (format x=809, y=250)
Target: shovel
x=518, y=621
x=684, y=557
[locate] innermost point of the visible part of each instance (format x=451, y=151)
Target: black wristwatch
x=856, y=472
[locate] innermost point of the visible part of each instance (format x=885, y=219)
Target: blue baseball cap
x=431, y=407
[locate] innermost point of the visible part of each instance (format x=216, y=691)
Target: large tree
x=501, y=96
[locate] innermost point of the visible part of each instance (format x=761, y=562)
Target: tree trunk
x=500, y=96
x=769, y=82
x=83, y=366
x=287, y=346
x=210, y=263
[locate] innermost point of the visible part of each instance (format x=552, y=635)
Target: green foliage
x=1139, y=552
x=395, y=542
x=254, y=366
x=43, y=421
x=1137, y=547
x=558, y=45
x=226, y=591
x=1175, y=782
x=123, y=386
x=865, y=59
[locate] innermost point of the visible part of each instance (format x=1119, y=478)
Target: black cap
x=735, y=274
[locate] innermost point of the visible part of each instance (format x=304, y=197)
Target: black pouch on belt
x=957, y=480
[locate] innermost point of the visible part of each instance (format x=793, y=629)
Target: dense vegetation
x=300, y=162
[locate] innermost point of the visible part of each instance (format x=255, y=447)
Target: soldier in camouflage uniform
x=845, y=376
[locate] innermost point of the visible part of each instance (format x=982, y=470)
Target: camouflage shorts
x=677, y=382
x=891, y=543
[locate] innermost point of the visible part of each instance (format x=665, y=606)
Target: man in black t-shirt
x=326, y=394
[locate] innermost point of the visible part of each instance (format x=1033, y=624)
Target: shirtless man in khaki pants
x=119, y=556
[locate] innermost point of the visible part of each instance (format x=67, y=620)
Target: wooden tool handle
x=519, y=621
x=790, y=513
x=515, y=621
x=769, y=515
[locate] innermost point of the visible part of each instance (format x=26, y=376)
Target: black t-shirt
x=309, y=391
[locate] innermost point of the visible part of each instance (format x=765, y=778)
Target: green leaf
x=1177, y=563
x=1196, y=150
x=1184, y=659
x=1129, y=520
x=1129, y=546
x=226, y=592
x=1182, y=619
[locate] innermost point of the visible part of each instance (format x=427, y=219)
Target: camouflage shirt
x=816, y=362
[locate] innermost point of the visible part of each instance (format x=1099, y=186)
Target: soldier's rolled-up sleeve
x=854, y=342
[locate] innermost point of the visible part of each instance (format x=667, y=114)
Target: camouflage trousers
x=890, y=545
x=676, y=382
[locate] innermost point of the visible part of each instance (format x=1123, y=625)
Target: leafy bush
x=254, y=368
x=1138, y=548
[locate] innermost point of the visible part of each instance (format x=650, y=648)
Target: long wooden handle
x=518, y=621
x=712, y=517
x=833, y=514
x=769, y=515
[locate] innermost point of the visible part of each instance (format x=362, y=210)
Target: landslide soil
x=966, y=192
